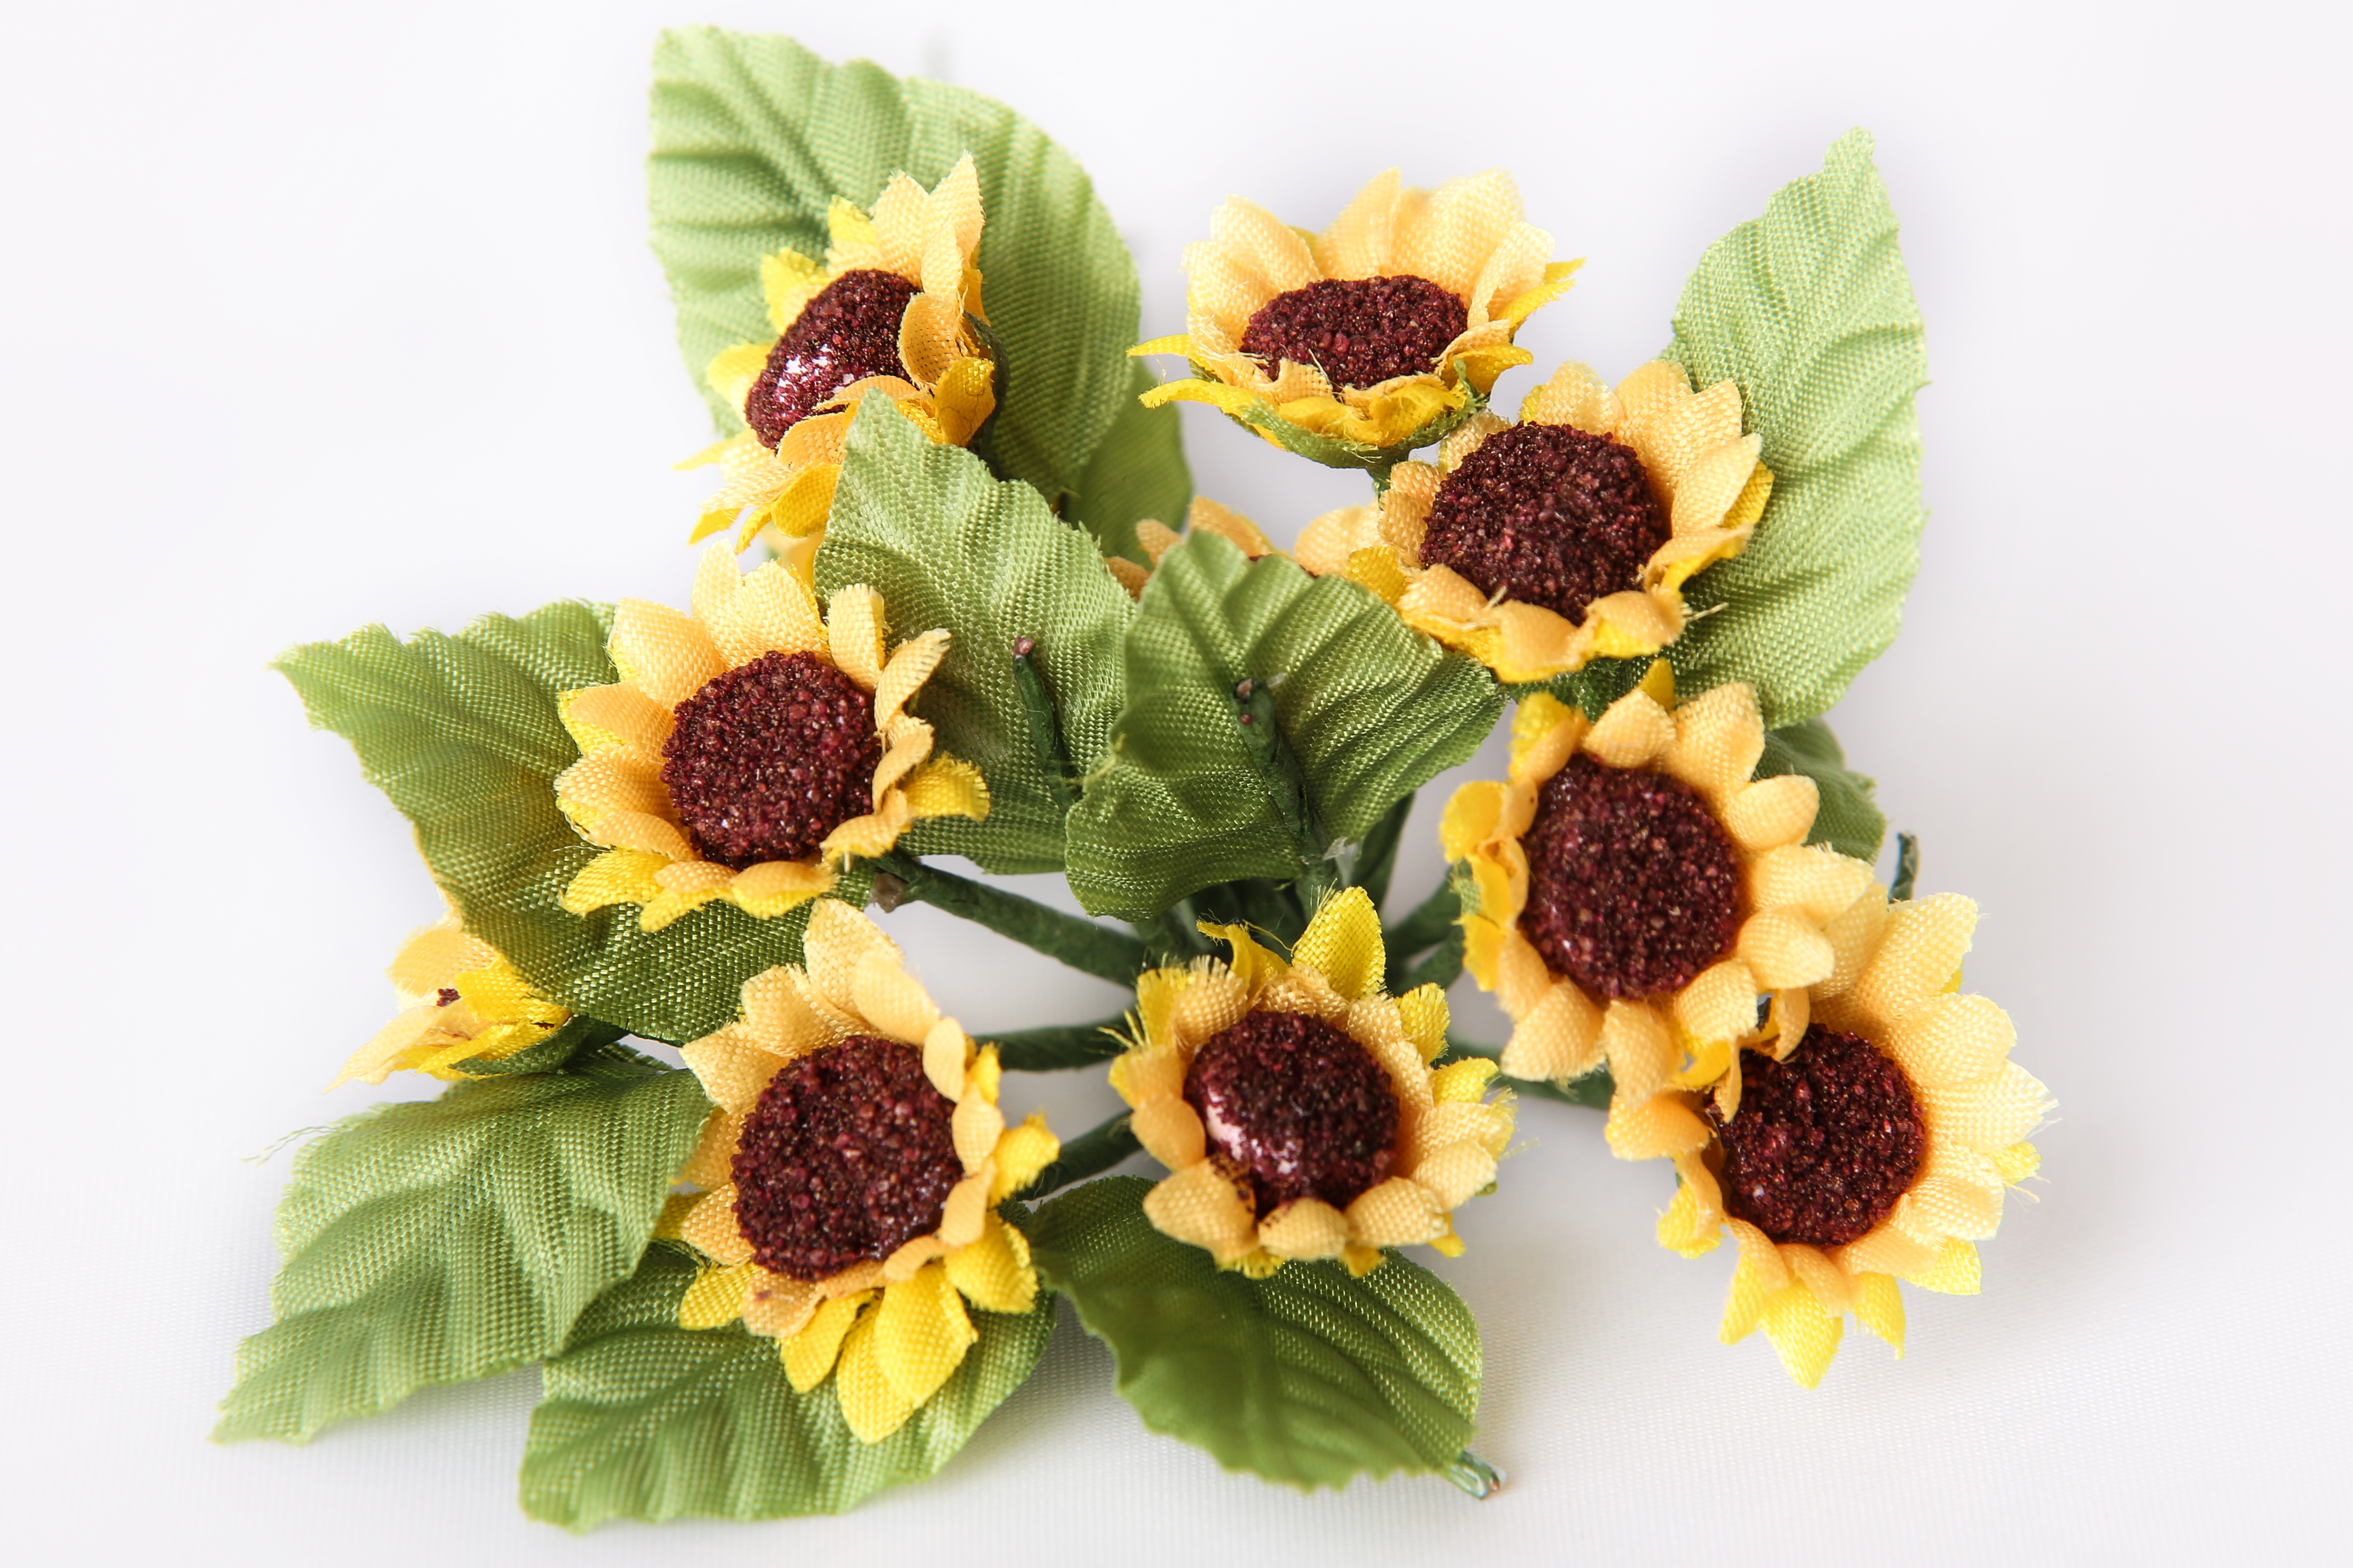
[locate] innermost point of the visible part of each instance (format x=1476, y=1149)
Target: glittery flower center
x=848, y=333
x=1632, y=887
x=849, y=1155
x=1824, y=1143
x=1359, y=332
x=769, y=758
x=1546, y=515
x=1295, y=1105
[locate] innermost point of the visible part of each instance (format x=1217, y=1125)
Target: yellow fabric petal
x=1304, y=1228
x=872, y=1406
x=1022, y=1155
x=1804, y=1336
x=776, y=887
x=716, y=1297
x=993, y=1273
x=947, y=786
x=1342, y=943
x=1464, y=1082
x=1198, y=1205
x=710, y=1228
x=921, y=1333
x=1397, y=1213
x=809, y=1355
x=1955, y=1273
x=733, y=1066
x=1879, y=1309
x=616, y=876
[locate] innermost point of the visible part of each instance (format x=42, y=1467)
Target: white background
x=322, y=315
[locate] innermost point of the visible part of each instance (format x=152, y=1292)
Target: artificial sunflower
x=1640, y=892
x=1295, y=1105
x=896, y=310
x=1376, y=337
x=1203, y=516
x=1537, y=546
x=1879, y=1150
x=751, y=748
x=464, y=1000
x=853, y=1166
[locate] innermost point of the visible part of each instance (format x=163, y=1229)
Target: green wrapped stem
x=1072, y=938
x=1423, y=928
x=1907, y=866
x=1474, y=1476
x=1058, y=1046
x=1442, y=968
x=1090, y=1153
x=1376, y=858
x=1045, y=723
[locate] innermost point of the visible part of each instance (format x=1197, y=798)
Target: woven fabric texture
x=1138, y=473
x=439, y=1242
x=754, y=137
x=1307, y=1376
x=463, y=734
x=1372, y=709
x=642, y=1419
x=1847, y=818
x=948, y=546
x=1809, y=311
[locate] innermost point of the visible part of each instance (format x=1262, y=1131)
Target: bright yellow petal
x=871, y=1404
x=1342, y=943
x=921, y=1333
x=809, y=1355
x=994, y=1273
x=716, y=1297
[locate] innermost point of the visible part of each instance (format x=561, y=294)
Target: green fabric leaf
x=1138, y=473
x=1809, y=311
x=754, y=136
x=462, y=732
x=1847, y=820
x=1306, y=1377
x=1372, y=709
x=438, y=1242
x=642, y=1419
x=947, y=545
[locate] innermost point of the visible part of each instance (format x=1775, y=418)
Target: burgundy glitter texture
x=849, y=1155
x=848, y=333
x=1359, y=332
x=1297, y=1107
x=768, y=759
x=1546, y=515
x=1632, y=887
x=1825, y=1142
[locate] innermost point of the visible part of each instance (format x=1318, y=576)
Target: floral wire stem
x=1254, y=712
x=1072, y=938
x=1907, y=869
x=1376, y=857
x=1474, y=1476
x=1090, y=1153
x=1058, y=1046
x=1591, y=1091
x=1045, y=723
x=1424, y=926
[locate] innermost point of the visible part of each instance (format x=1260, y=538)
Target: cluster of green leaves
x=1224, y=741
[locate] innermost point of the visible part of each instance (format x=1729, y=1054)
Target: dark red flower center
x=1546, y=515
x=849, y=1156
x=848, y=333
x=1296, y=1106
x=1632, y=887
x=768, y=759
x=1359, y=332
x=1824, y=1143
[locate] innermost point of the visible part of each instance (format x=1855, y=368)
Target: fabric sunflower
x=1879, y=1150
x=1203, y=516
x=1295, y=1105
x=1639, y=893
x=463, y=1000
x=1376, y=337
x=1537, y=546
x=853, y=1166
x=896, y=310
x=751, y=748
